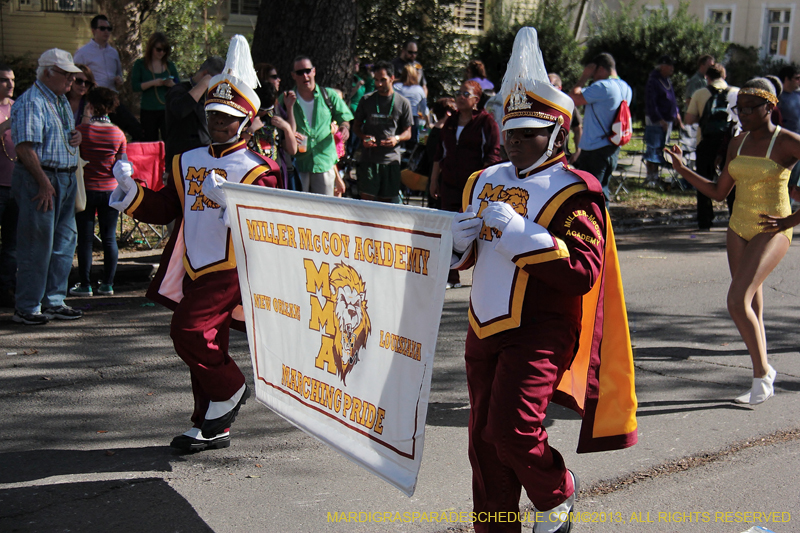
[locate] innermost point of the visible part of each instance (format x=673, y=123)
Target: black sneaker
x=31, y=319
x=62, y=312
x=215, y=426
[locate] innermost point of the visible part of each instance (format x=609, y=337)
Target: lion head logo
x=517, y=198
x=353, y=326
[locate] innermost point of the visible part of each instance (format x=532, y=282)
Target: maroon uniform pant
x=200, y=331
x=511, y=378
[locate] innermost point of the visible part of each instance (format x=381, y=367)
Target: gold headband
x=761, y=93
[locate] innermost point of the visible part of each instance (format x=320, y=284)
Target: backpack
x=621, y=125
x=714, y=120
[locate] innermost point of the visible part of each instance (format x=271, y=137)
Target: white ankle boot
x=762, y=389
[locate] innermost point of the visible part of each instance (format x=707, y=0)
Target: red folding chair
x=147, y=159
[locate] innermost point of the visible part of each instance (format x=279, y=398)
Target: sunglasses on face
x=104, y=28
x=746, y=110
x=303, y=71
x=465, y=94
x=273, y=77
x=159, y=49
x=82, y=81
x=411, y=53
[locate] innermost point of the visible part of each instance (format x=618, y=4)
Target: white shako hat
x=529, y=100
x=232, y=92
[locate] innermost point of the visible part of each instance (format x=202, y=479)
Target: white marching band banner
x=342, y=301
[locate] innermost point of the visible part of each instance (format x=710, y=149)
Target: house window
x=469, y=15
x=244, y=7
x=721, y=18
x=59, y=6
x=652, y=10
x=778, y=27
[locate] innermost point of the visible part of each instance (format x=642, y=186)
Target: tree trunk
x=323, y=30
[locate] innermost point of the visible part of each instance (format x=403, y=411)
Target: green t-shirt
x=153, y=99
x=320, y=155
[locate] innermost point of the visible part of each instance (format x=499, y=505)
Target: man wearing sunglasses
x=408, y=55
x=319, y=117
x=705, y=109
x=104, y=61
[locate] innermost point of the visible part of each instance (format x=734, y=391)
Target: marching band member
x=545, y=277
x=197, y=277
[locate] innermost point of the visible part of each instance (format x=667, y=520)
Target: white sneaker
x=552, y=522
x=761, y=391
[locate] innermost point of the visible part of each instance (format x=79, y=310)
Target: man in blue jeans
x=602, y=99
x=44, y=187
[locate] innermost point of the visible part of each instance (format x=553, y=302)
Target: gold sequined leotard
x=761, y=187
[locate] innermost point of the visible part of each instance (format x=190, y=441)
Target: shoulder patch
x=591, y=182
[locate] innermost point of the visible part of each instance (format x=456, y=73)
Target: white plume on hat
x=526, y=65
x=239, y=62
x=241, y=75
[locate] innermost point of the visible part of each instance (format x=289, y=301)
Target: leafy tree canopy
x=383, y=26
x=194, y=29
x=560, y=51
x=637, y=38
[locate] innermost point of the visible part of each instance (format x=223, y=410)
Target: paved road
x=90, y=407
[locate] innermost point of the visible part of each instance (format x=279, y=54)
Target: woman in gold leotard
x=760, y=228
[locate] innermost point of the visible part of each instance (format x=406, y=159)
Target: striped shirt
x=99, y=147
x=45, y=120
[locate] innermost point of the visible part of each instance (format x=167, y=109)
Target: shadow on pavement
x=685, y=406
x=16, y=467
x=119, y=505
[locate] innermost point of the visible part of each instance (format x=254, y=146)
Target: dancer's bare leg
x=750, y=264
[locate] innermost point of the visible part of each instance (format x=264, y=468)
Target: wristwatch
x=397, y=138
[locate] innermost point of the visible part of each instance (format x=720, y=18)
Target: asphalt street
x=90, y=408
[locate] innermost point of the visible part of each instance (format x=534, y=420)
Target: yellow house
x=33, y=26
x=772, y=26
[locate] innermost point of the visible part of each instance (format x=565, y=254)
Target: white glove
x=213, y=191
x=465, y=227
x=123, y=170
x=498, y=215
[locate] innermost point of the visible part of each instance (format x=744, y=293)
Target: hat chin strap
x=546, y=155
x=235, y=138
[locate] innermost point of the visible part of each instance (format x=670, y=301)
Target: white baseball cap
x=58, y=58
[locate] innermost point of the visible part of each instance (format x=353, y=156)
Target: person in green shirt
x=317, y=123
x=153, y=75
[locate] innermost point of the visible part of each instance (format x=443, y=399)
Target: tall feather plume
x=239, y=62
x=526, y=65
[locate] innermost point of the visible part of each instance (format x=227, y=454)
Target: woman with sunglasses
x=760, y=228
x=84, y=80
x=153, y=75
x=470, y=141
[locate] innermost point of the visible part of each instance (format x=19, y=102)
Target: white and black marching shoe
x=193, y=441
x=220, y=424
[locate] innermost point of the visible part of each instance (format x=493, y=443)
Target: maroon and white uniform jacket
x=542, y=269
x=201, y=242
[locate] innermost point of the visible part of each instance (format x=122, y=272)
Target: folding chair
x=147, y=159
